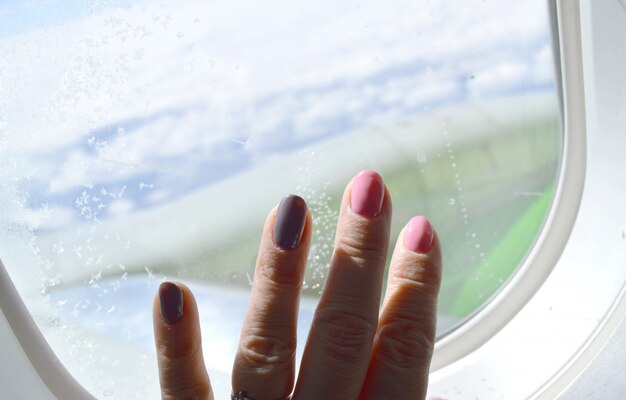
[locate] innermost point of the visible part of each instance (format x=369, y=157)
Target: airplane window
x=142, y=141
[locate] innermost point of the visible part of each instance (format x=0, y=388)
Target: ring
x=240, y=395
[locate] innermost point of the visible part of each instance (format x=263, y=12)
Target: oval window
x=147, y=140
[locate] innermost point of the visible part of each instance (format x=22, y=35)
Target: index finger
x=266, y=352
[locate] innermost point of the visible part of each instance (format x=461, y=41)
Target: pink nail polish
x=368, y=192
x=418, y=236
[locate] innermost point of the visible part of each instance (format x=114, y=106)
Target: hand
x=353, y=351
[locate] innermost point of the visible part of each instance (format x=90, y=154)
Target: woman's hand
x=353, y=351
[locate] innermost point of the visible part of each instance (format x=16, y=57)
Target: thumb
x=179, y=345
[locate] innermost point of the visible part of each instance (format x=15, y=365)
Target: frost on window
x=141, y=141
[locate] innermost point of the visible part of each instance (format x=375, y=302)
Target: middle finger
x=338, y=349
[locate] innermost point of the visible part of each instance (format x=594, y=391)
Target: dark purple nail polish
x=171, y=299
x=290, y=221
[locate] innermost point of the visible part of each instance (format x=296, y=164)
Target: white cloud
x=120, y=206
x=543, y=64
x=500, y=78
x=163, y=88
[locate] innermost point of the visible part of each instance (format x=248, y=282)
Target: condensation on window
x=143, y=141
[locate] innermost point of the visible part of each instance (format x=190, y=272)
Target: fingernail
x=289, y=223
x=171, y=299
x=368, y=192
x=419, y=235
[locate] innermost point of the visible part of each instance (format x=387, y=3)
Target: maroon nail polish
x=290, y=221
x=171, y=299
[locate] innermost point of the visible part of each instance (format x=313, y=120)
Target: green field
x=487, y=199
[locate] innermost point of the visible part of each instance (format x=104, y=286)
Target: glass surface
x=142, y=141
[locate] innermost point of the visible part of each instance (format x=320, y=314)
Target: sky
x=23, y=16
x=109, y=107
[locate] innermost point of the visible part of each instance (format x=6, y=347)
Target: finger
x=265, y=363
x=337, y=352
x=406, y=330
x=178, y=343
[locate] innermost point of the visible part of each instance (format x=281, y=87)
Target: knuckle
x=267, y=350
x=197, y=392
x=343, y=335
x=417, y=277
x=360, y=246
x=280, y=269
x=178, y=348
x=405, y=343
x=410, y=272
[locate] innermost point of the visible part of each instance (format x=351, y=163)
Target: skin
x=354, y=350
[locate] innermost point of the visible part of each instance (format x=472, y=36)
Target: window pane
x=147, y=140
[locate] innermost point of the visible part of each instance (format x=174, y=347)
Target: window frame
x=568, y=317
x=477, y=329
x=492, y=327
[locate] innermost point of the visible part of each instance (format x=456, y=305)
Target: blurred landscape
x=147, y=140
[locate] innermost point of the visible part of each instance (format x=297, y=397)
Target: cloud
x=180, y=96
x=120, y=206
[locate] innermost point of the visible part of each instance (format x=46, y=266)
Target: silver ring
x=240, y=395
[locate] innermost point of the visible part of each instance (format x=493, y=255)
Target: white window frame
x=518, y=335
x=554, y=316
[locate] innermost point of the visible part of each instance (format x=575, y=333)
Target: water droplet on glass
x=421, y=157
x=58, y=248
x=452, y=201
